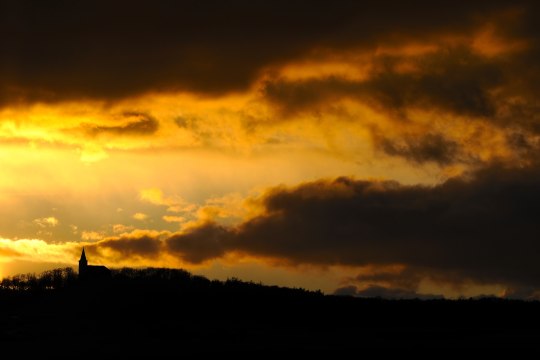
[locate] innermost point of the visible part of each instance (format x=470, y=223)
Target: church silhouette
x=92, y=272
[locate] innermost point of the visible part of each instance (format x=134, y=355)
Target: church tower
x=92, y=273
x=83, y=263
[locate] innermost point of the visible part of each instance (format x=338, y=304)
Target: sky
x=362, y=148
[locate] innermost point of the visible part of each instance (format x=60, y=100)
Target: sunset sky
x=364, y=147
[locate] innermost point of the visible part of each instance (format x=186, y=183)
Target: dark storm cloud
x=145, y=125
x=291, y=97
x=454, y=80
x=421, y=148
x=189, y=246
x=100, y=49
x=130, y=245
x=483, y=227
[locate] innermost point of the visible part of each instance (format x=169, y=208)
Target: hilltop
x=169, y=311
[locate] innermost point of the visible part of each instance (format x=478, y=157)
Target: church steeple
x=83, y=263
x=92, y=273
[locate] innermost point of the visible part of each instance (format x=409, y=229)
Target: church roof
x=83, y=255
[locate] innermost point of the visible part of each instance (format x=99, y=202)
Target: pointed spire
x=83, y=255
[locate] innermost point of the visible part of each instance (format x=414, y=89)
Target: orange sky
x=185, y=144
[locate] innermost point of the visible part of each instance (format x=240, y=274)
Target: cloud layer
x=103, y=50
x=440, y=83
x=481, y=228
x=206, y=101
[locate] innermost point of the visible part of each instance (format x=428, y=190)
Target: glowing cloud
x=140, y=216
x=46, y=222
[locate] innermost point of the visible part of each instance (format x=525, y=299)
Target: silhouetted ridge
x=145, y=279
x=156, y=311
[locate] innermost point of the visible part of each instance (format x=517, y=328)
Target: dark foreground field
x=170, y=312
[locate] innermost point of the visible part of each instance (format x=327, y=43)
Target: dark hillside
x=166, y=311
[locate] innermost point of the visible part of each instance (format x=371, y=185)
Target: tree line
x=143, y=279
